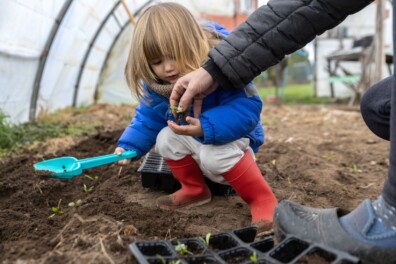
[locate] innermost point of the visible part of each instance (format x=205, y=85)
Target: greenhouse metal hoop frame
x=50, y=40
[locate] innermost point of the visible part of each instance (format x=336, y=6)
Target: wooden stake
x=131, y=17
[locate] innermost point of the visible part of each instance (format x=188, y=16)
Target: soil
x=320, y=156
x=314, y=258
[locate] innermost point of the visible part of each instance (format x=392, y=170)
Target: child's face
x=165, y=68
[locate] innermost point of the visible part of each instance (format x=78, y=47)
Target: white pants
x=213, y=160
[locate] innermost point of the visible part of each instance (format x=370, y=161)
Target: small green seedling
x=175, y=108
x=87, y=189
x=253, y=257
x=181, y=248
x=328, y=156
x=94, y=178
x=273, y=162
x=163, y=261
x=207, y=239
x=72, y=204
x=57, y=210
x=355, y=169
x=177, y=113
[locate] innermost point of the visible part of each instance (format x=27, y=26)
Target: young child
x=167, y=44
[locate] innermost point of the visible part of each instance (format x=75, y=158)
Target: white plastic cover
x=83, y=43
x=74, y=61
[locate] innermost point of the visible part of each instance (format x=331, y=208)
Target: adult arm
x=271, y=32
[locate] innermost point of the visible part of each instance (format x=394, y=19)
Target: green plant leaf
x=253, y=257
x=181, y=248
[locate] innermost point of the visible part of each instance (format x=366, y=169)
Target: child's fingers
x=119, y=151
x=124, y=162
x=179, y=129
x=192, y=121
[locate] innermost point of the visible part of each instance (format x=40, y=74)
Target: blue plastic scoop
x=68, y=167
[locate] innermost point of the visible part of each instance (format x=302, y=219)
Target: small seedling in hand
x=175, y=108
x=87, y=189
x=57, y=210
x=253, y=257
x=176, y=112
x=72, y=204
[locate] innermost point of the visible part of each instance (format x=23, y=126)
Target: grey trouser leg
x=389, y=191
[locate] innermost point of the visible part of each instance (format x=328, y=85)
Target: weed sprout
x=72, y=204
x=86, y=188
x=57, y=210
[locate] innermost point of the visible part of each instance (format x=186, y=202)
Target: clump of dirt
x=317, y=156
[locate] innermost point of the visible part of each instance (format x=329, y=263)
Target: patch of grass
x=7, y=136
x=295, y=94
x=14, y=138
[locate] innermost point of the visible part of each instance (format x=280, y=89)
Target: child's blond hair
x=165, y=29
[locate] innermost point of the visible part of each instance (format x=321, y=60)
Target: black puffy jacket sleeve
x=271, y=32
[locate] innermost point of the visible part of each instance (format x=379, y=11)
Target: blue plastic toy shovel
x=68, y=167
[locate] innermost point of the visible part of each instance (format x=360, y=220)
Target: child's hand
x=124, y=162
x=193, y=129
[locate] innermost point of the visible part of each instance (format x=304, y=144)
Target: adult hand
x=193, y=129
x=195, y=86
x=124, y=162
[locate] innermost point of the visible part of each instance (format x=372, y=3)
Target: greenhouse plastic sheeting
x=61, y=53
x=75, y=59
x=113, y=87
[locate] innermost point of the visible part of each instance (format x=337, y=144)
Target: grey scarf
x=162, y=89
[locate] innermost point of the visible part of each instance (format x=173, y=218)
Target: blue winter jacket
x=227, y=115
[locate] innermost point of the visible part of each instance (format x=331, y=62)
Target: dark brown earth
x=315, y=155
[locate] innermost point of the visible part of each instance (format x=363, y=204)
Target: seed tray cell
x=237, y=255
x=238, y=246
x=156, y=175
x=293, y=250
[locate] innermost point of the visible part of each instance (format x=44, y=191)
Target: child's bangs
x=161, y=43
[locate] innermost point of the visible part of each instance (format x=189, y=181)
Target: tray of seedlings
x=237, y=246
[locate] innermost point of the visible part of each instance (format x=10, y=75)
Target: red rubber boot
x=194, y=190
x=248, y=182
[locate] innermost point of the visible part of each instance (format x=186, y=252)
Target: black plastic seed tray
x=238, y=246
x=156, y=175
